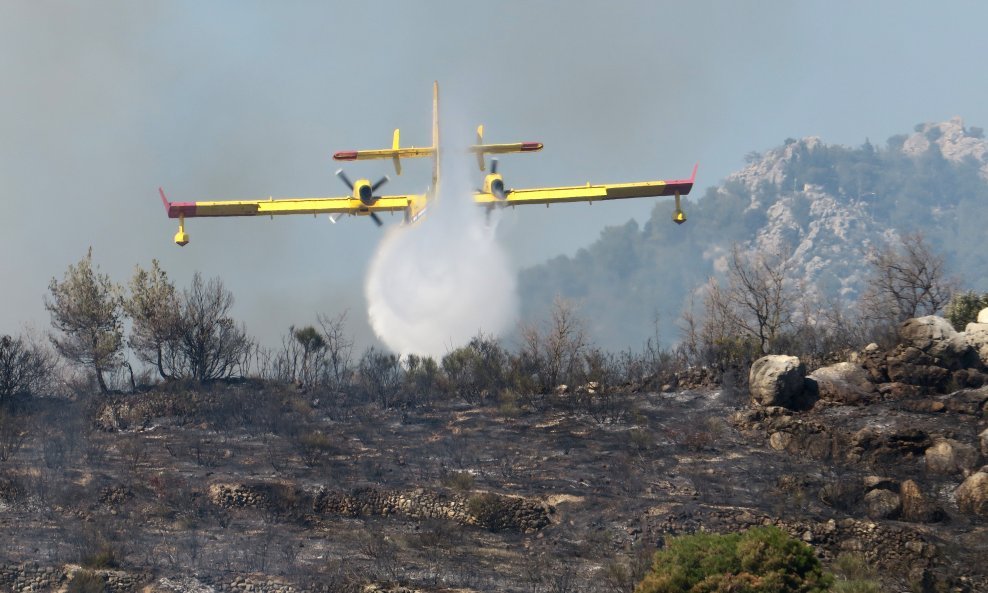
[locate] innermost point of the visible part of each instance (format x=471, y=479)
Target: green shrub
x=476, y=371
x=462, y=481
x=86, y=581
x=964, y=307
x=854, y=575
x=761, y=560
x=508, y=404
x=104, y=556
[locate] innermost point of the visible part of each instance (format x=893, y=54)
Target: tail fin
x=435, y=135
x=395, y=145
x=480, y=142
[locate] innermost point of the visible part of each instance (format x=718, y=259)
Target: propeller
x=364, y=192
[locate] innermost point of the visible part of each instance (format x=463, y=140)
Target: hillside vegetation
x=824, y=205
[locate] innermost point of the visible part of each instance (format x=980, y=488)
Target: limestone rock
x=780, y=441
x=948, y=456
x=924, y=332
x=777, y=380
x=938, y=338
x=972, y=495
x=845, y=383
x=883, y=504
x=983, y=441
x=976, y=335
x=916, y=507
x=983, y=316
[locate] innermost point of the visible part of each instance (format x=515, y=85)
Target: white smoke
x=434, y=285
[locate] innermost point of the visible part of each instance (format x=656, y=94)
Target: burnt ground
x=235, y=481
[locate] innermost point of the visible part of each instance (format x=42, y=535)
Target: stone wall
x=499, y=512
x=31, y=577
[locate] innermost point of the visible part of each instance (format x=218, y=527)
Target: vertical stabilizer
x=435, y=136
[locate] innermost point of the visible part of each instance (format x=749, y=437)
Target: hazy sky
x=102, y=102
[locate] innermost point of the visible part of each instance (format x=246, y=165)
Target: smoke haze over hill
x=825, y=204
x=105, y=102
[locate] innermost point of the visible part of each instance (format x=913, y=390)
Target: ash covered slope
x=826, y=203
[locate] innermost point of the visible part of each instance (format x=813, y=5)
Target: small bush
x=854, y=575
x=641, y=439
x=86, y=581
x=104, y=556
x=462, y=481
x=313, y=446
x=761, y=560
x=508, y=404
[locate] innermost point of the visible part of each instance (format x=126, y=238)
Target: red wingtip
x=530, y=146
x=693, y=176
x=164, y=200
x=346, y=155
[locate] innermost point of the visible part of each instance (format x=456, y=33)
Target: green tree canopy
x=85, y=310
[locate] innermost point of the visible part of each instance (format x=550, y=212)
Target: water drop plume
x=434, y=285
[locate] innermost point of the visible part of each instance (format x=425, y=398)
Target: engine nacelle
x=363, y=191
x=494, y=185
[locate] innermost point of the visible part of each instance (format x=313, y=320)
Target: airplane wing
x=411, y=206
x=280, y=206
x=587, y=193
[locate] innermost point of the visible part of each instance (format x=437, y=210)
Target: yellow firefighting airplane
x=363, y=201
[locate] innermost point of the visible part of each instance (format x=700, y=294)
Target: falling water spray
x=435, y=284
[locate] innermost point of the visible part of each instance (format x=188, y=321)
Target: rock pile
x=231, y=496
x=934, y=370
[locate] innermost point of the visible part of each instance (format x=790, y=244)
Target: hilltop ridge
x=824, y=204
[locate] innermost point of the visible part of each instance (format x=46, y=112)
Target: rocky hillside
x=826, y=204
x=263, y=488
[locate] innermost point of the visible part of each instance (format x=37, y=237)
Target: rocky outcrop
x=787, y=432
x=971, y=402
x=954, y=141
x=948, y=456
x=936, y=337
x=881, y=447
x=845, y=383
x=972, y=494
x=916, y=507
x=913, y=366
x=883, y=504
x=777, y=380
x=976, y=335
